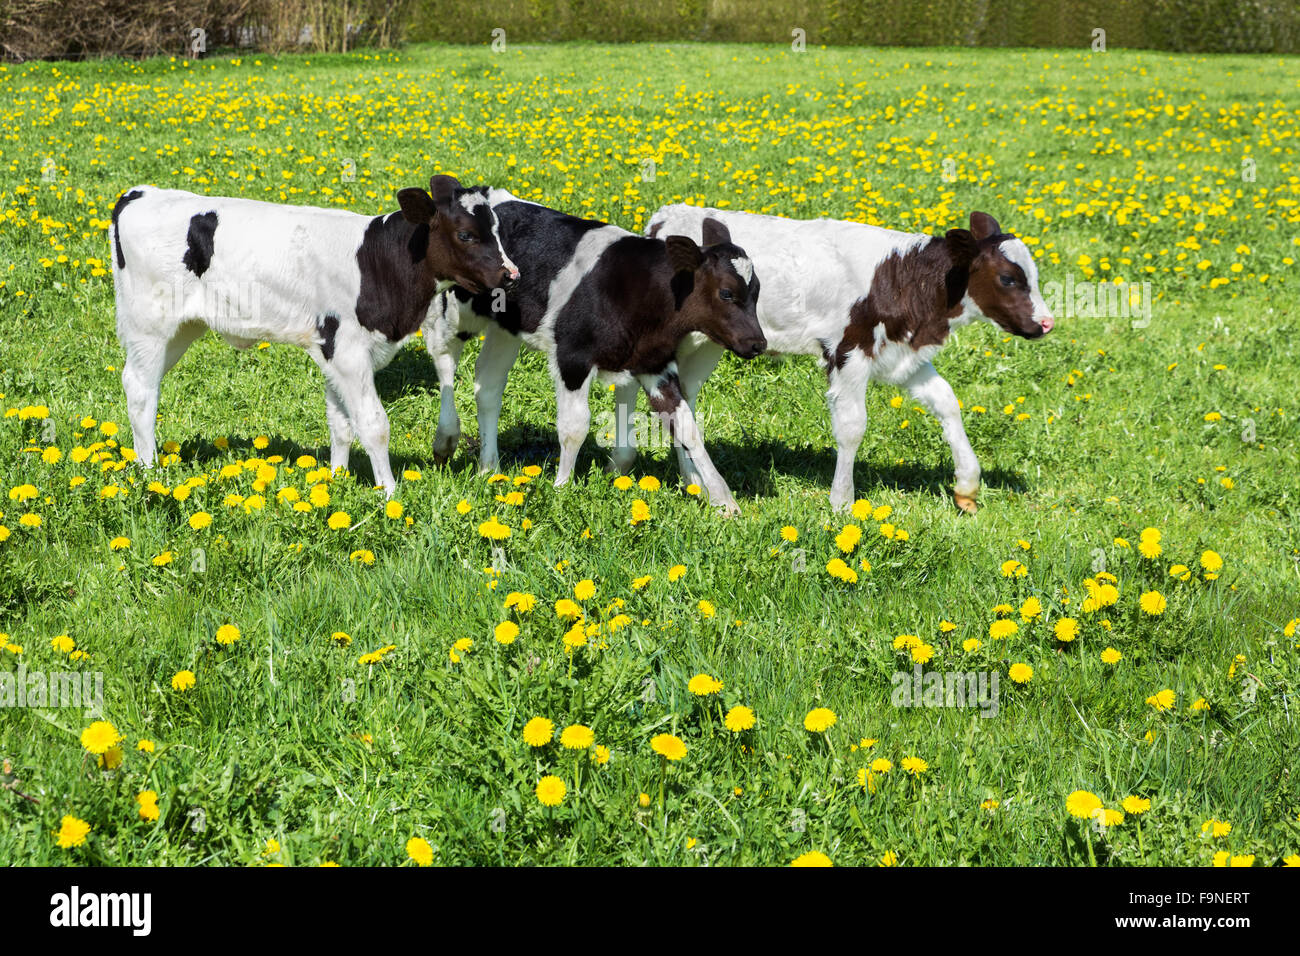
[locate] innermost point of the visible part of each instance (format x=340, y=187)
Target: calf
x=872, y=304
x=598, y=299
x=348, y=288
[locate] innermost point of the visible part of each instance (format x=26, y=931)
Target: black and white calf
x=872, y=304
x=598, y=299
x=348, y=288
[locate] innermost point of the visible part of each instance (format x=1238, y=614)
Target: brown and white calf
x=873, y=304
x=347, y=288
x=598, y=299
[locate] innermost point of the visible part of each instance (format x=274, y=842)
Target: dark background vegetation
x=86, y=28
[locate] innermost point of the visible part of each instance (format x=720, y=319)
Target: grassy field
x=293, y=747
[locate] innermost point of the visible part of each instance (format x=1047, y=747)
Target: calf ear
x=715, y=233
x=963, y=249
x=962, y=246
x=444, y=189
x=683, y=254
x=417, y=205
x=983, y=225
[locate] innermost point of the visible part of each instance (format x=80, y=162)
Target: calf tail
x=124, y=200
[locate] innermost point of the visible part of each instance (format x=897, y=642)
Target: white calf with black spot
x=345, y=287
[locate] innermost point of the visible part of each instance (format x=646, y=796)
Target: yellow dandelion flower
x=1083, y=804
x=577, y=737
x=72, y=832
x=702, y=685
x=819, y=720
x=1136, y=805
x=1163, y=700
x=668, y=746
x=739, y=719
x=538, y=732
x=812, y=858
x=99, y=736
x=419, y=850
x=1152, y=603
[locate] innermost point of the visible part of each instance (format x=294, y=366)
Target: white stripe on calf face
x=744, y=268
x=496, y=235
x=1019, y=253
x=471, y=201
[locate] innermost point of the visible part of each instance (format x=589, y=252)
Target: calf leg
x=444, y=345
x=141, y=379
x=694, y=366
x=623, y=455
x=147, y=361
x=667, y=400
x=448, y=434
x=930, y=389
x=340, y=429
x=351, y=377
x=572, y=421
x=500, y=349
x=847, y=398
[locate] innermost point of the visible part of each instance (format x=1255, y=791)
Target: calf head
x=1004, y=281
x=716, y=291
x=456, y=235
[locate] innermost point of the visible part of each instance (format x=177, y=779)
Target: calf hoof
x=965, y=502
x=444, y=449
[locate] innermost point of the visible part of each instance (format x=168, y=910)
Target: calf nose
x=1047, y=323
x=757, y=346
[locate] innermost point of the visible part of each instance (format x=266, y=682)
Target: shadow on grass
x=411, y=372
x=750, y=469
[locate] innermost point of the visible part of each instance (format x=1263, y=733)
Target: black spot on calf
x=198, y=255
x=327, y=325
x=122, y=203
x=395, y=294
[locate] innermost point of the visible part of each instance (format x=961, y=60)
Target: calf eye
x=725, y=295
x=1008, y=280
x=465, y=236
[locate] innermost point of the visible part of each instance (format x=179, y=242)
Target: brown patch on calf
x=913, y=295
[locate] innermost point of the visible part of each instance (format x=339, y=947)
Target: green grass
x=288, y=736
